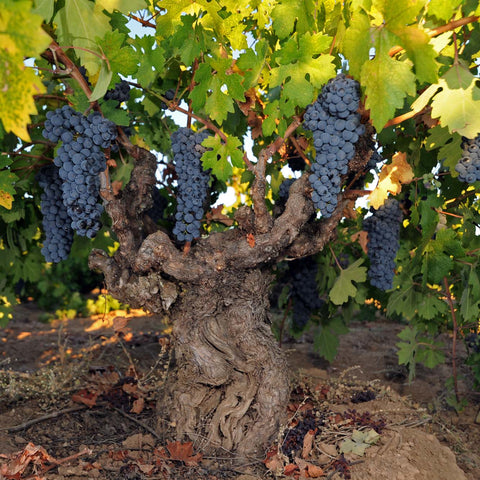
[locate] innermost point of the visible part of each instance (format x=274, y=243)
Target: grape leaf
x=457, y=104
x=443, y=9
x=221, y=156
x=19, y=85
x=121, y=57
x=44, y=8
x=79, y=24
x=431, y=307
x=343, y=287
x=296, y=60
x=21, y=30
x=404, y=302
x=435, y=265
x=290, y=14
x=124, y=6
x=431, y=356
x=390, y=179
x=469, y=305
x=326, y=338
x=387, y=82
x=102, y=84
x=153, y=60
x=218, y=104
x=357, y=42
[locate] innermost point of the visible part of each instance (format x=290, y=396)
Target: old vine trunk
x=230, y=385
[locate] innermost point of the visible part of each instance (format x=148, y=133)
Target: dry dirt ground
x=77, y=401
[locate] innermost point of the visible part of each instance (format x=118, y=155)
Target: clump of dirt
x=78, y=401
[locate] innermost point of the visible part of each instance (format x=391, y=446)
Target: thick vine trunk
x=230, y=385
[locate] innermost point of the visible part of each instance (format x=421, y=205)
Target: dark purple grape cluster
x=468, y=167
x=293, y=437
x=383, y=228
x=120, y=93
x=156, y=211
x=304, y=291
x=80, y=159
x=336, y=127
x=192, y=183
x=284, y=189
x=56, y=222
x=373, y=160
x=169, y=95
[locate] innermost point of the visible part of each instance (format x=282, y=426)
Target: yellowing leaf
x=6, y=200
x=18, y=84
x=124, y=6
x=390, y=179
x=21, y=30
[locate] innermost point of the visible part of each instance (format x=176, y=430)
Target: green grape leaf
x=387, y=82
x=343, y=287
x=457, y=104
x=420, y=51
x=218, y=104
x=431, y=355
x=443, y=9
x=124, y=6
x=326, y=340
x=435, y=265
x=78, y=25
x=188, y=39
x=121, y=57
x=272, y=112
x=290, y=14
x=222, y=156
x=404, y=302
x=296, y=60
x=469, y=305
x=102, y=84
x=357, y=42
x=449, y=145
x=431, y=307
x=153, y=60
x=251, y=63
x=44, y=8
x=7, y=188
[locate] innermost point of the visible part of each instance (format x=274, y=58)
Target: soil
x=78, y=401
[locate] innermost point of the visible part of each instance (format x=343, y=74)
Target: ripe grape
x=192, y=183
x=56, y=222
x=80, y=159
x=468, y=167
x=383, y=229
x=336, y=127
x=120, y=93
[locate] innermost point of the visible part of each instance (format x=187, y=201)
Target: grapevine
x=336, y=127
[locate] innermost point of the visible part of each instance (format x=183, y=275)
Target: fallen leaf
x=308, y=443
x=120, y=325
x=251, y=239
x=274, y=461
x=116, y=187
x=87, y=398
x=290, y=469
x=314, y=471
x=138, y=406
x=183, y=452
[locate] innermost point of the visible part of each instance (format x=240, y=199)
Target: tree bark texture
x=230, y=386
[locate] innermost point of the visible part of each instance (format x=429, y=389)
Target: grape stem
x=335, y=257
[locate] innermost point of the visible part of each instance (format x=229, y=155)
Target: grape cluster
x=336, y=126
x=285, y=189
x=80, y=159
x=192, y=183
x=293, y=440
x=468, y=167
x=120, y=93
x=383, y=228
x=169, y=95
x=304, y=291
x=56, y=222
x=155, y=212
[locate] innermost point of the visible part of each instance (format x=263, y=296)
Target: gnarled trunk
x=230, y=385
